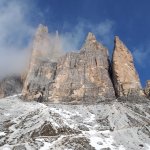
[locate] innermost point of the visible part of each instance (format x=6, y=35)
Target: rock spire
x=125, y=76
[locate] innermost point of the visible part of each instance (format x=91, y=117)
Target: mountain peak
x=125, y=78
x=91, y=44
x=41, y=30
x=90, y=37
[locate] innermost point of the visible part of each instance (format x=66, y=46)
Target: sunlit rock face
x=10, y=86
x=125, y=76
x=75, y=77
x=147, y=89
x=84, y=76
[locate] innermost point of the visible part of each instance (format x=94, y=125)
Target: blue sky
x=129, y=19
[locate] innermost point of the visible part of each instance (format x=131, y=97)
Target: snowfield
x=44, y=126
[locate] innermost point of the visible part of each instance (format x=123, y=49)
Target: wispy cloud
x=141, y=55
x=104, y=31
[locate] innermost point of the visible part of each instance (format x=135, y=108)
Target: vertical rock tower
x=42, y=66
x=125, y=76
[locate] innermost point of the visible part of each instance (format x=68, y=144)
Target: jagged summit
x=117, y=39
x=41, y=29
x=120, y=46
x=91, y=37
x=91, y=44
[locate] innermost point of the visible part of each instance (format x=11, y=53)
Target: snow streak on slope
x=31, y=125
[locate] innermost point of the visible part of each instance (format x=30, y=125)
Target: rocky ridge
x=85, y=76
x=75, y=77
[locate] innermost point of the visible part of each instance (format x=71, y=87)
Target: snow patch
x=6, y=114
x=2, y=134
x=91, y=119
x=94, y=140
x=6, y=147
x=121, y=147
x=46, y=146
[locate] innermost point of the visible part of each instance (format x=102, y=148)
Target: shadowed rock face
x=125, y=77
x=147, y=89
x=75, y=77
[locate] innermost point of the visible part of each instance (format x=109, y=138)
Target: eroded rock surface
x=125, y=76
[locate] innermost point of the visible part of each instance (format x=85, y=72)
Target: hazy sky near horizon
x=129, y=19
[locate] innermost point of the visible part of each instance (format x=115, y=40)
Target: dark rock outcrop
x=147, y=89
x=10, y=86
x=125, y=76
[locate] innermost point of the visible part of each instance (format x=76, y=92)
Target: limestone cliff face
x=125, y=76
x=75, y=77
x=147, y=89
x=84, y=76
x=80, y=77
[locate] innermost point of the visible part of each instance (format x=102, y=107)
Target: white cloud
x=14, y=35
